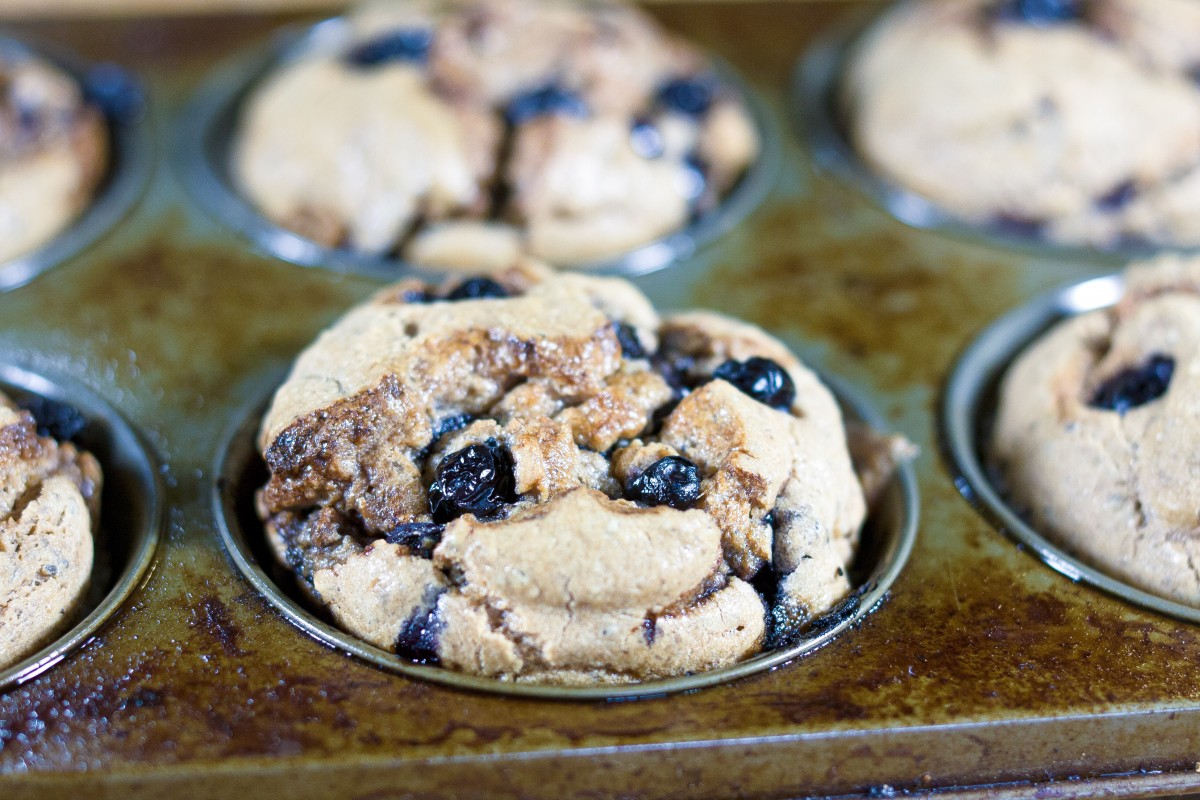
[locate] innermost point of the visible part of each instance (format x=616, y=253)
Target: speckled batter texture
x=53, y=153
x=572, y=582
x=514, y=126
x=1086, y=131
x=49, y=509
x=1120, y=489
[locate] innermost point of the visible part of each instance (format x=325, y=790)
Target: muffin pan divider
x=984, y=673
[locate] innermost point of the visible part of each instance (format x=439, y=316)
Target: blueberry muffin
x=536, y=477
x=463, y=133
x=1099, y=426
x=53, y=152
x=49, y=510
x=1077, y=120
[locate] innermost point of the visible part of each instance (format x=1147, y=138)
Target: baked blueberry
x=1118, y=198
x=631, y=345
x=646, y=139
x=477, y=289
x=54, y=419
x=419, y=537
x=1039, y=12
x=690, y=95
x=475, y=480
x=404, y=44
x=546, y=100
x=672, y=481
x=762, y=379
x=1135, y=386
x=694, y=178
x=418, y=638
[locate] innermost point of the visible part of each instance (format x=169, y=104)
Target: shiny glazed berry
x=672, y=481
x=405, y=44
x=54, y=419
x=1040, y=12
x=631, y=345
x=475, y=480
x=646, y=139
x=762, y=379
x=1136, y=386
x=692, y=96
x=477, y=289
x=546, y=100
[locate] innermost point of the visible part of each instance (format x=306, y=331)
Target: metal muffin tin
x=968, y=408
x=985, y=674
x=131, y=158
x=819, y=112
x=888, y=537
x=207, y=129
x=130, y=511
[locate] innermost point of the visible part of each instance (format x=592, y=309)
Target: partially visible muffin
x=53, y=152
x=1077, y=120
x=538, y=478
x=1097, y=434
x=471, y=131
x=49, y=512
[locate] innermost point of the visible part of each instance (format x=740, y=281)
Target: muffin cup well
x=968, y=409
x=130, y=511
x=205, y=134
x=820, y=119
x=887, y=539
x=130, y=160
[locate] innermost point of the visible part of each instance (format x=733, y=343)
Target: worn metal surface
x=985, y=667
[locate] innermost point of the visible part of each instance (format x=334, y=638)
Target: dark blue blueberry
x=672, y=481
x=114, y=91
x=1039, y=12
x=418, y=637
x=419, y=537
x=646, y=139
x=631, y=345
x=54, y=419
x=1118, y=198
x=690, y=95
x=694, y=178
x=418, y=296
x=445, y=426
x=403, y=44
x=762, y=379
x=477, y=289
x=475, y=480
x=546, y=100
x=1135, y=386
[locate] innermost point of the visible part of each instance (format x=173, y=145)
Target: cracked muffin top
x=1078, y=120
x=49, y=511
x=465, y=132
x=53, y=152
x=1098, y=429
x=536, y=477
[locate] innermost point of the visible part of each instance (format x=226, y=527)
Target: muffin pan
x=983, y=673
x=130, y=511
x=204, y=141
x=131, y=157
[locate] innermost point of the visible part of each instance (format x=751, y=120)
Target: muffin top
x=463, y=133
x=536, y=477
x=1078, y=120
x=53, y=152
x=49, y=510
x=1098, y=429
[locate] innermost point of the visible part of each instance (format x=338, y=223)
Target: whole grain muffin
x=465, y=132
x=536, y=477
x=53, y=152
x=1076, y=119
x=49, y=511
x=1098, y=432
